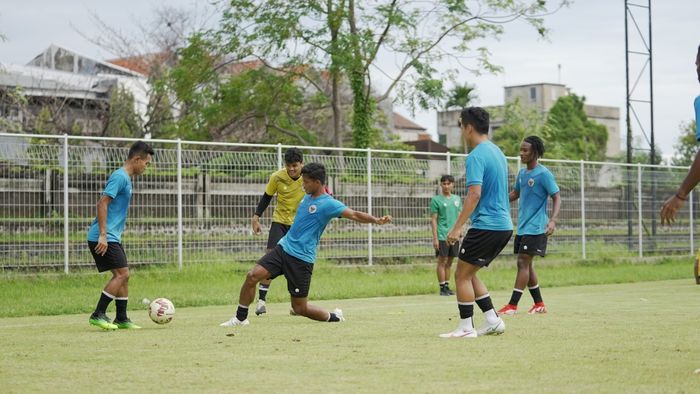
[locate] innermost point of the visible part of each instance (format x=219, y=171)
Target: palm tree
x=461, y=96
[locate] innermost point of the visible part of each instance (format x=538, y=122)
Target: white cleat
x=493, y=329
x=260, y=308
x=339, y=313
x=460, y=333
x=234, y=322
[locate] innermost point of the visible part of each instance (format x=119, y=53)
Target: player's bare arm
x=362, y=217
x=556, y=205
x=470, y=203
x=102, y=206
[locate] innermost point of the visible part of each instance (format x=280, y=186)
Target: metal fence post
x=66, y=227
x=583, y=212
x=179, y=204
x=640, y=213
x=449, y=163
x=369, y=205
x=279, y=156
x=690, y=208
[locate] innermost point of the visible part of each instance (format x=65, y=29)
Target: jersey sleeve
x=697, y=118
x=475, y=170
x=335, y=208
x=115, y=184
x=550, y=185
x=434, y=206
x=271, y=187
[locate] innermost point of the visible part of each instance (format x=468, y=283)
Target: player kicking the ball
x=491, y=227
x=534, y=185
x=295, y=253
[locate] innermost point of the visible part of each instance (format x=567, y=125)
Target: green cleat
x=126, y=325
x=101, y=320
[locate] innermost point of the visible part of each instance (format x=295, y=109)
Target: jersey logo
x=312, y=208
x=444, y=204
x=456, y=203
x=531, y=182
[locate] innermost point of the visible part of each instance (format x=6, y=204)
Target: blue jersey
x=487, y=166
x=535, y=187
x=697, y=118
x=313, y=214
x=119, y=188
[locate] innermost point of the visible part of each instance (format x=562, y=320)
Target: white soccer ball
x=161, y=310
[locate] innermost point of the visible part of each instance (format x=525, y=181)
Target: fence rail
x=195, y=202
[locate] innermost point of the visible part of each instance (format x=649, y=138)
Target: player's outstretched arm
x=362, y=217
x=262, y=206
x=675, y=202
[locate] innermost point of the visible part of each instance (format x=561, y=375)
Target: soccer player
x=286, y=183
x=105, y=233
x=444, y=209
x=487, y=205
x=534, y=185
x=675, y=202
x=295, y=253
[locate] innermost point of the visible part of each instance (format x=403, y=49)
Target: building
x=408, y=130
x=75, y=88
x=542, y=97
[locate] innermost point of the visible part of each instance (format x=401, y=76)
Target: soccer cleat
x=538, y=308
x=444, y=291
x=260, y=308
x=449, y=291
x=509, y=310
x=339, y=314
x=126, y=324
x=234, y=322
x=459, y=332
x=492, y=329
x=102, y=321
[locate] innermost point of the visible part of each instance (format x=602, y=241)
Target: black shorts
x=534, y=245
x=297, y=272
x=480, y=247
x=277, y=231
x=445, y=250
x=112, y=259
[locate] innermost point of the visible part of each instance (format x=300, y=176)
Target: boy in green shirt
x=444, y=209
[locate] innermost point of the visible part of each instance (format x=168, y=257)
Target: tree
x=122, y=119
x=461, y=96
x=345, y=38
x=687, y=145
x=519, y=121
x=571, y=135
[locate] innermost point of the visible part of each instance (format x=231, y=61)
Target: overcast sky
x=587, y=40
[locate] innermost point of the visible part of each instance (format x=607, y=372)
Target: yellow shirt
x=289, y=193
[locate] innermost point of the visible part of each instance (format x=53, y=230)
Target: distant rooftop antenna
x=559, y=73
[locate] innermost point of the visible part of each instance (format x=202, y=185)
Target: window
x=442, y=138
x=533, y=94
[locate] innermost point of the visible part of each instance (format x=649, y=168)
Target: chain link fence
x=195, y=201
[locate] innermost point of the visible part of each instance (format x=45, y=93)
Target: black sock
x=535, y=293
x=262, y=291
x=484, y=303
x=333, y=317
x=242, y=313
x=121, y=308
x=466, y=310
x=447, y=285
x=443, y=285
x=515, y=297
x=103, y=303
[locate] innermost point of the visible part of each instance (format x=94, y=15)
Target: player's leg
x=269, y=266
x=534, y=287
x=277, y=231
x=103, y=263
x=465, y=300
x=441, y=275
x=448, y=269
x=494, y=325
x=122, y=293
x=301, y=307
x=522, y=277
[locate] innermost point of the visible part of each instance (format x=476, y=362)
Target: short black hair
x=293, y=155
x=141, y=149
x=477, y=117
x=537, y=144
x=315, y=171
x=448, y=178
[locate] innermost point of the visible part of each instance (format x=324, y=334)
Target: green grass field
x=613, y=338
